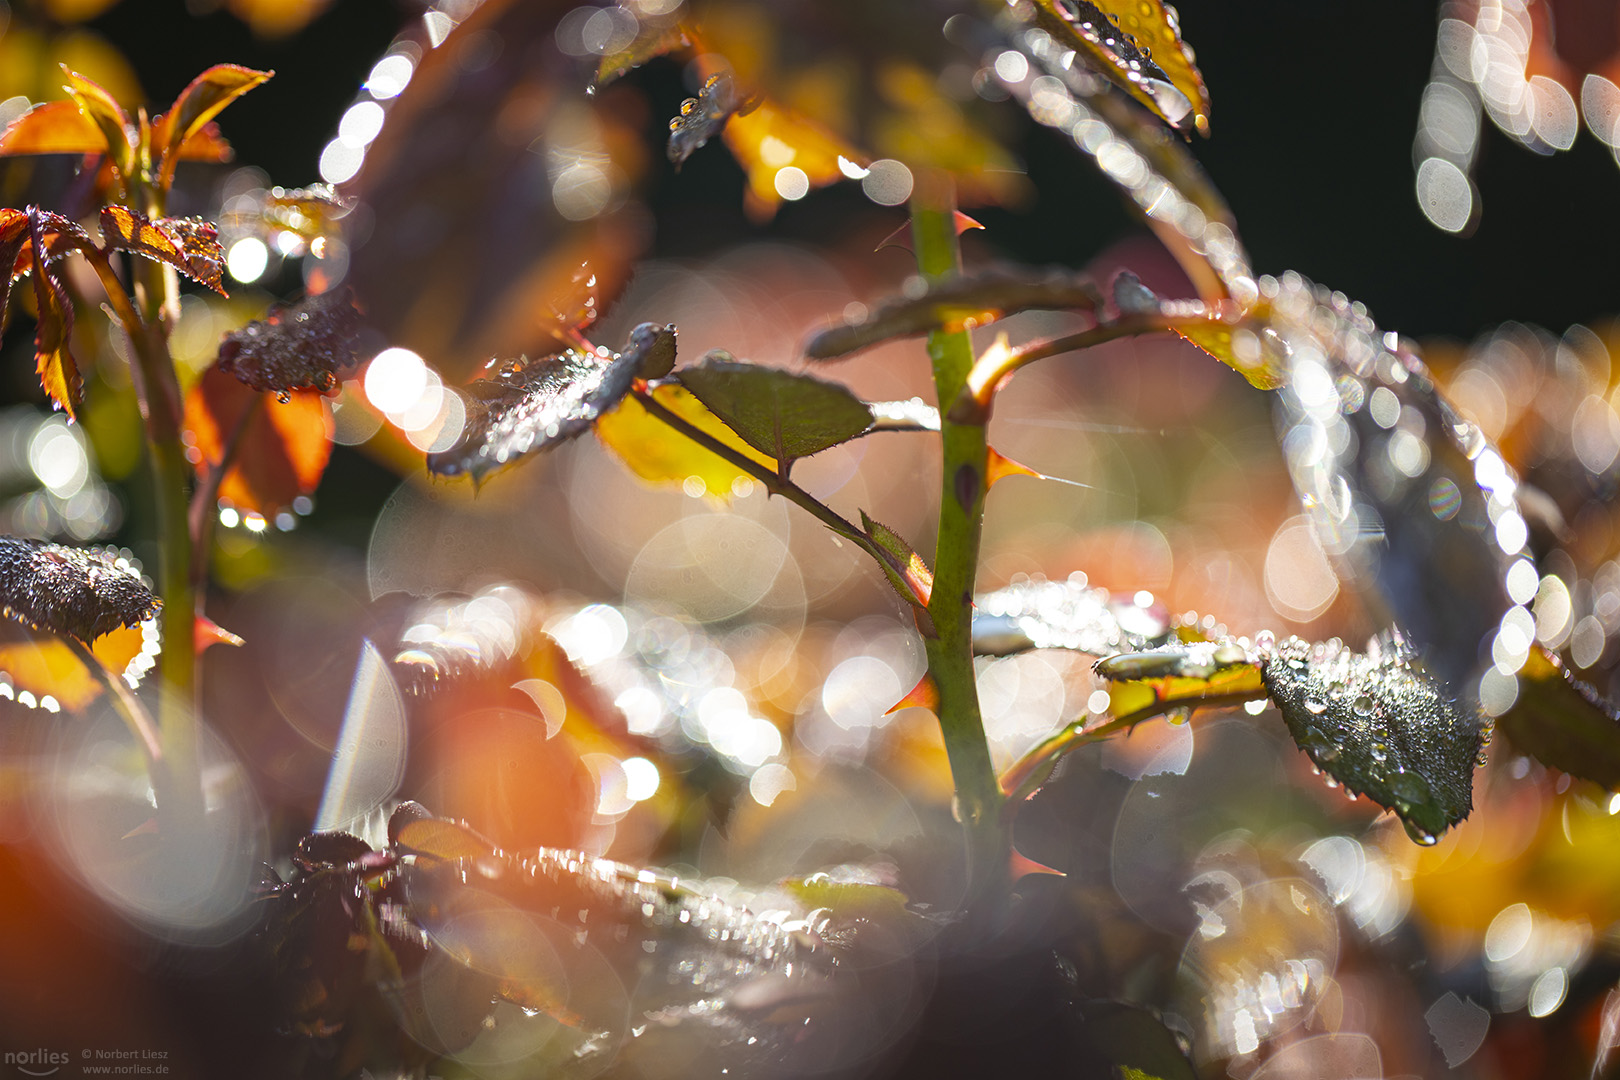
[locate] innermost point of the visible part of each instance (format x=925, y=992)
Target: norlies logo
x=36, y=1062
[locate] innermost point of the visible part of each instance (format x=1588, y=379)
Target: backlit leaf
x=905, y=569
x=79, y=592
x=1563, y=722
x=109, y=118
x=655, y=36
x=779, y=413
x=308, y=346
x=190, y=245
x=1041, y=614
x=58, y=370
x=1243, y=341
x=661, y=456
x=533, y=405
x=279, y=455
x=14, y=238
x=1180, y=674
x=55, y=127
x=1381, y=726
x=771, y=139
x=962, y=302
x=1105, y=34
x=198, y=103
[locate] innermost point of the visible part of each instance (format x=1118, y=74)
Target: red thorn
x=1020, y=866
x=964, y=223
x=900, y=238
x=1000, y=467
x=206, y=632
x=149, y=827
x=924, y=694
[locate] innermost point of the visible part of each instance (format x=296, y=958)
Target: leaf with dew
x=1381, y=725
x=190, y=245
x=533, y=405
x=1125, y=40
x=202, y=99
x=79, y=592
x=53, y=358
x=308, y=346
x=1180, y=674
x=1070, y=614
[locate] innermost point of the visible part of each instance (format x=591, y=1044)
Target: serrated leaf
x=1410, y=498
x=1244, y=342
x=906, y=570
x=202, y=100
x=280, y=453
x=78, y=592
x=1041, y=614
x=109, y=118
x=963, y=301
x=1563, y=722
x=1100, y=33
x=661, y=456
x=308, y=346
x=53, y=361
x=1379, y=724
x=533, y=405
x=779, y=413
x=14, y=239
x=190, y=245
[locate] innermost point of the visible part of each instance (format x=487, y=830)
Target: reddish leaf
x=13, y=239
x=108, y=116
x=206, y=144
x=58, y=371
x=190, y=245
x=56, y=127
x=281, y=452
x=304, y=347
x=702, y=117
x=197, y=104
x=62, y=236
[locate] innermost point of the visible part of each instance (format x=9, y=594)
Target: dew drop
x=1314, y=706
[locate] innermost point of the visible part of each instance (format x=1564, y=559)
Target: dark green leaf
x=78, y=592
x=779, y=413
x=1564, y=723
x=1134, y=1040
x=1381, y=726
x=906, y=570
x=304, y=347
x=961, y=302
x=532, y=405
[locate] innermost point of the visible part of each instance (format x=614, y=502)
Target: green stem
x=126, y=704
x=965, y=480
x=144, y=321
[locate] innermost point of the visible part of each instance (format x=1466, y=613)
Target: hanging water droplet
x=1378, y=751
x=1316, y=706
x=1419, y=834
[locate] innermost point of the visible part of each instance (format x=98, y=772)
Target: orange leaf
x=13, y=239
x=206, y=144
x=202, y=100
x=280, y=453
x=56, y=127
x=190, y=245
x=38, y=666
x=58, y=371
x=109, y=118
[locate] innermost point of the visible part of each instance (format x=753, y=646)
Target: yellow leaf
x=661, y=455
x=771, y=140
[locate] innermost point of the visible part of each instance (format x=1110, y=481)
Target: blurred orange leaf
x=190, y=245
x=56, y=127
x=772, y=139
x=280, y=449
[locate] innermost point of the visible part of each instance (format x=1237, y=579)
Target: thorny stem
x=972, y=404
x=964, y=482
x=144, y=320
x=774, y=482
